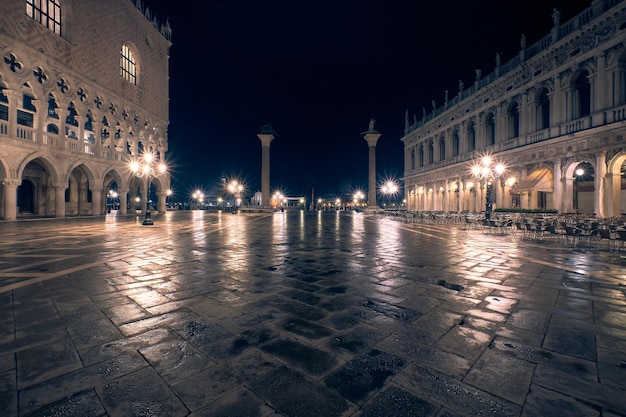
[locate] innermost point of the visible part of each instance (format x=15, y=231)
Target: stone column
x=162, y=204
x=59, y=199
x=123, y=196
x=371, y=137
x=9, y=190
x=557, y=196
x=41, y=108
x=96, y=201
x=568, y=195
x=614, y=189
x=62, y=136
x=600, y=173
x=266, y=139
x=14, y=97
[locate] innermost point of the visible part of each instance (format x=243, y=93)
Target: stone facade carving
x=570, y=90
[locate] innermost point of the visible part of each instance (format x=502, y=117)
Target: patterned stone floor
x=302, y=314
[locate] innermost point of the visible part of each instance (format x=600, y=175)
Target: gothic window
x=46, y=12
x=512, y=115
x=128, y=65
x=471, y=136
x=25, y=114
x=581, y=103
x=490, y=129
x=4, y=105
x=71, y=116
x=52, y=107
x=455, y=143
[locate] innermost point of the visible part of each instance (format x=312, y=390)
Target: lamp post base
x=147, y=221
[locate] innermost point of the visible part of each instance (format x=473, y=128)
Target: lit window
x=46, y=12
x=128, y=68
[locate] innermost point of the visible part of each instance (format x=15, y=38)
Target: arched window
x=512, y=116
x=455, y=143
x=421, y=155
x=46, y=12
x=442, y=148
x=490, y=129
x=128, y=65
x=413, y=158
x=4, y=105
x=471, y=136
x=582, y=96
x=543, y=110
x=431, y=152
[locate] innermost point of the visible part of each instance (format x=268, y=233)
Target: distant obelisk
x=371, y=136
x=266, y=136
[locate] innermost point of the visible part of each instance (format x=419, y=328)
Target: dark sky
x=318, y=71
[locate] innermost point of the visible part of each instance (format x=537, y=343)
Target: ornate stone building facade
x=83, y=91
x=554, y=116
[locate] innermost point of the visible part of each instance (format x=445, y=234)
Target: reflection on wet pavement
x=298, y=314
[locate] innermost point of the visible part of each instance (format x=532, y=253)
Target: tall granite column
x=371, y=137
x=266, y=136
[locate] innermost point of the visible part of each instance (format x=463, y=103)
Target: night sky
x=318, y=71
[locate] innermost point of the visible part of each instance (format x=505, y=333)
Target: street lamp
x=198, y=196
x=358, y=196
x=488, y=170
x=148, y=167
x=235, y=188
x=389, y=188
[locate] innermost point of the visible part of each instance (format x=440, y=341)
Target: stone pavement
x=304, y=314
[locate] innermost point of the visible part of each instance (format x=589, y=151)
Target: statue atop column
x=371, y=128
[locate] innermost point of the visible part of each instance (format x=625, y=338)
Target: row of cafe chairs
x=609, y=234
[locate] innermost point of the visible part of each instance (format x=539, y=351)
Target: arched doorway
x=36, y=195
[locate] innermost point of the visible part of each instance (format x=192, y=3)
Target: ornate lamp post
x=235, y=188
x=148, y=167
x=488, y=170
x=389, y=188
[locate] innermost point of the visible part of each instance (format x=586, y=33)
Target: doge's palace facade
x=554, y=116
x=83, y=91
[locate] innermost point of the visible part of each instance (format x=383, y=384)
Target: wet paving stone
x=458, y=396
x=303, y=297
x=175, y=359
x=356, y=340
x=141, y=393
x=56, y=389
x=396, y=402
x=46, y=361
x=202, y=388
x=304, y=311
x=502, y=374
x=241, y=403
x=364, y=374
x=199, y=332
x=580, y=343
x=390, y=310
x=306, y=328
x=82, y=404
x=293, y=395
x=308, y=359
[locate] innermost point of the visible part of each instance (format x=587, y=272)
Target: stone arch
x=579, y=192
x=81, y=185
x=40, y=181
x=616, y=182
